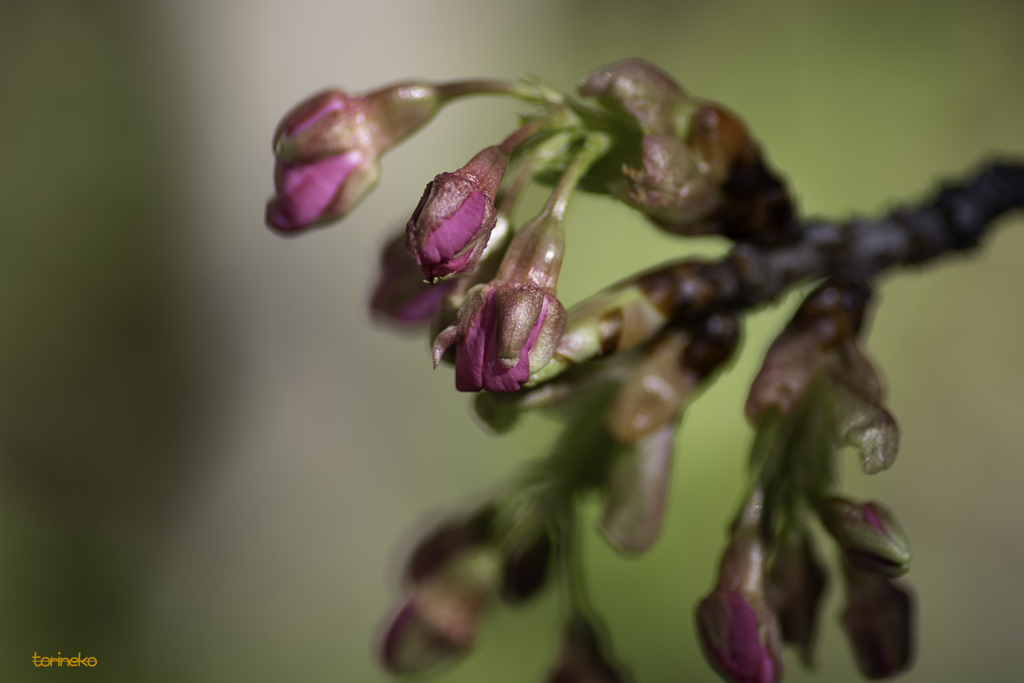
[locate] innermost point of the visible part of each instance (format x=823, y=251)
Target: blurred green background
x=211, y=463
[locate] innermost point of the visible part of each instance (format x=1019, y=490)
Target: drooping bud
x=450, y=227
x=583, y=659
x=401, y=295
x=509, y=327
x=795, y=586
x=440, y=618
x=413, y=644
x=636, y=491
x=880, y=624
x=327, y=150
x=526, y=568
x=454, y=573
x=322, y=191
x=738, y=629
x=869, y=535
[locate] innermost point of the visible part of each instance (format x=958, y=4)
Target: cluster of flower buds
x=815, y=393
x=503, y=551
x=489, y=289
x=327, y=148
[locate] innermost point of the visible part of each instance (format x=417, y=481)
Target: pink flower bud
x=321, y=191
x=401, y=295
x=869, y=535
x=879, y=623
x=454, y=219
x=737, y=628
x=528, y=324
x=740, y=638
x=440, y=617
x=327, y=150
x=412, y=644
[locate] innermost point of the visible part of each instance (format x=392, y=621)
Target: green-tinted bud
x=869, y=535
x=636, y=491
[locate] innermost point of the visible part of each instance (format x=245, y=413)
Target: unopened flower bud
x=879, y=622
x=401, y=295
x=509, y=328
x=583, y=659
x=412, y=644
x=869, y=535
x=441, y=616
x=636, y=491
x=321, y=191
x=327, y=150
x=795, y=586
x=449, y=229
x=737, y=628
x=526, y=568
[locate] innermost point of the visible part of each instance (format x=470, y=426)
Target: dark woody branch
x=955, y=219
x=635, y=311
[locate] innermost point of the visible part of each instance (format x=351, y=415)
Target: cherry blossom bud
x=737, y=628
x=636, y=491
x=795, y=586
x=869, y=535
x=879, y=621
x=322, y=191
x=583, y=659
x=401, y=295
x=327, y=150
x=439, y=619
x=449, y=229
x=412, y=644
x=509, y=328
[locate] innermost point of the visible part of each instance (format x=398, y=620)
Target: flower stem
x=594, y=147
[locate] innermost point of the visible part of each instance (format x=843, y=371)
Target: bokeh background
x=211, y=462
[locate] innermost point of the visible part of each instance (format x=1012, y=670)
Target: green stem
x=569, y=559
x=451, y=90
x=595, y=145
